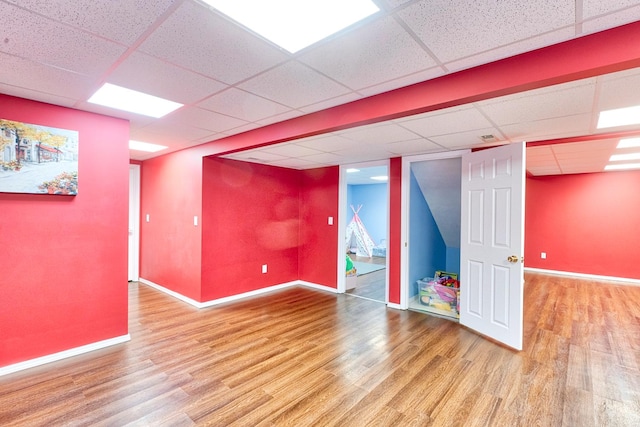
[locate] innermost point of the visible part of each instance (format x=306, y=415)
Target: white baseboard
x=622, y=280
x=170, y=292
x=231, y=298
x=316, y=286
x=20, y=366
x=395, y=306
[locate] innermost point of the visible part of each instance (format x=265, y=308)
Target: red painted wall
x=394, y=249
x=170, y=243
x=586, y=223
x=318, y=258
x=64, y=258
x=250, y=218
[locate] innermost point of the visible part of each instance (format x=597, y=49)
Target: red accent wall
x=251, y=217
x=318, y=257
x=170, y=243
x=395, y=236
x=585, y=223
x=64, y=258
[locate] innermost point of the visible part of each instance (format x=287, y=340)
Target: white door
x=134, y=221
x=492, y=243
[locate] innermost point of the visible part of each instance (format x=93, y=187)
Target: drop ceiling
x=232, y=81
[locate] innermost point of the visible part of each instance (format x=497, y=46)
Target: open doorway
x=365, y=215
x=434, y=236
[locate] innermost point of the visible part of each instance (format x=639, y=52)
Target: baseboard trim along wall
x=622, y=280
x=20, y=366
x=231, y=298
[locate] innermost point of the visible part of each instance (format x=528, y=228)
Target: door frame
x=405, y=209
x=342, y=224
x=134, y=223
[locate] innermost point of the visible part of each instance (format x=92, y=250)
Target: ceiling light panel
x=619, y=117
x=294, y=24
x=629, y=143
x=623, y=166
x=145, y=146
x=124, y=99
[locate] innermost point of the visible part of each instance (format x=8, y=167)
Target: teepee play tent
x=357, y=236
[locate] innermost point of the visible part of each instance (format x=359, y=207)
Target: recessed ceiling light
x=145, y=146
x=622, y=166
x=619, y=117
x=623, y=157
x=294, y=24
x=353, y=170
x=629, y=143
x=133, y=101
x=380, y=178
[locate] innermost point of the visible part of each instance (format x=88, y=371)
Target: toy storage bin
x=433, y=294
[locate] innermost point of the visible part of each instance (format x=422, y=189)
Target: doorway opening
x=434, y=236
x=364, y=222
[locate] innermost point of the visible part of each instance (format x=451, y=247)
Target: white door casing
x=492, y=243
x=134, y=222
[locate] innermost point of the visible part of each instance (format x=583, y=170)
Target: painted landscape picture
x=38, y=159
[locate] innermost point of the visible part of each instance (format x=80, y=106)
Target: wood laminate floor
x=371, y=285
x=304, y=357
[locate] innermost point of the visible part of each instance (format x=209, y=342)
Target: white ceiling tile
x=166, y=81
x=512, y=49
x=298, y=163
x=561, y=127
x=540, y=105
x=407, y=80
x=240, y=129
x=543, y=151
x=414, y=146
x=291, y=150
x=482, y=25
x=280, y=117
x=324, y=158
x=123, y=22
x=54, y=44
x=603, y=22
x=196, y=38
x=42, y=82
x=608, y=145
x=204, y=119
x=374, y=53
x=294, y=85
x=594, y=8
x=364, y=154
x=338, y=100
x=48, y=98
x=541, y=171
x=164, y=133
x=619, y=90
x=467, y=139
x=444, y=122
x=327, y=143
x=255, y=155
x=384, y=133
x=243, y=105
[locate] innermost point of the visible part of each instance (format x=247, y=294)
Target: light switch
x=330, y=221
x=147, y=217
x=195, y=220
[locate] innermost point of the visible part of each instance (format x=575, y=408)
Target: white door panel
x=492, y=232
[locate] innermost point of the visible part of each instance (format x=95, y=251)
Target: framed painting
x=38, y=159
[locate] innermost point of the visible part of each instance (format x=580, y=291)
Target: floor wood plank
x=306, y=357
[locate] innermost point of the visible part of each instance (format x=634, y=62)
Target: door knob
x=512, y=258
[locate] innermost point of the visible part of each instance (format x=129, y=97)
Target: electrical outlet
x=543, y=255
x=264, y=268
